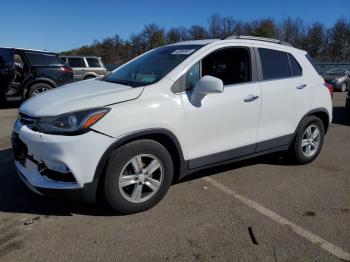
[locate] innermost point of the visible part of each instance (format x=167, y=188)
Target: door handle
x=250, y=98
x=302, y=86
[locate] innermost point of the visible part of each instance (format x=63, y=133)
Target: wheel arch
x=162, y=136
x=321, y=113
x=37, y=81
x=90, y=74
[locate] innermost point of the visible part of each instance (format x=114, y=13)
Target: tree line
x=331, y=44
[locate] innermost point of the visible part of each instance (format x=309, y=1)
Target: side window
x=193, y=75
x=93, y=62
x=63, y=59
x=6, y=56
x=39, y=59
x=295, y=67
x=76, y=62
x=275, y=64
x=231, y=65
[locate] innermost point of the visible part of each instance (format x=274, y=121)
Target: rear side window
x=294, y=66
x=76, y=62
x=275, y=64
x=93, y=62
x=38, y=59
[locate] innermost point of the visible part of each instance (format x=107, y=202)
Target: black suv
x=25, y=73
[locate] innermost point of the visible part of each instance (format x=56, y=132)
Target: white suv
x=167, y=113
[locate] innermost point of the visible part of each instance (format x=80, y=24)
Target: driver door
x=6, y=69
x=222, y=126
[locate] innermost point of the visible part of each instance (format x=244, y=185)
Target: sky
x=62, y=25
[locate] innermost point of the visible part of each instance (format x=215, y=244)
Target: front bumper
x=55, y=164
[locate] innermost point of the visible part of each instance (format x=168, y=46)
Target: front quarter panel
x=156, y=108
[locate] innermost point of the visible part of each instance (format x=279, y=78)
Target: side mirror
x=208, y=85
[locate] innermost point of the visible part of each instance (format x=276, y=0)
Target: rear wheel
x=138, y=176
x=308, y=141
x=38, y=88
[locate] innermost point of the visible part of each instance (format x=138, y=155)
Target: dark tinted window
x=295, y=67
x=76, y=62
x=63, y=59
x=6, y=55
x=231, y=65
x=93, y=62
x=153, y=66
x=38, y=59
x=275, y=64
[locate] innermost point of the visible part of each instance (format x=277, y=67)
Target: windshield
x=336, y=71
x=151, y=67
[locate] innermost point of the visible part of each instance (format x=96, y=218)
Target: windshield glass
x=151, y=67
x=336, y=71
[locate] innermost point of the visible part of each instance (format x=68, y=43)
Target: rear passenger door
x=79, y=67
x=286, y=97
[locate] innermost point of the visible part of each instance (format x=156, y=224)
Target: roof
x=239, y=39
x=196, y=42
x=28, y=49
x=81, y=56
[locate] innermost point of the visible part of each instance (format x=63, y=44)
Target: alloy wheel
x=311, y=140
x=39, y=90
x=141, y=178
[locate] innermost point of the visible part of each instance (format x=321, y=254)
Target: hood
x=77, y=96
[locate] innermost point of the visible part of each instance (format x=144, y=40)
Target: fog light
x=56, y=166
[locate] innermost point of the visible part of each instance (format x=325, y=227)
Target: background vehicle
x=168, y=113
x=339, y=78
x=85, y=67
x=25, y=73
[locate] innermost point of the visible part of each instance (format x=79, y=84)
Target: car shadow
x=341, y=116
x=15, y=197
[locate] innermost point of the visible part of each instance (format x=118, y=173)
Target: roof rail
x=256, y=38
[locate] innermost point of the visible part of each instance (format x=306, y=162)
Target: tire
x=38, y=88
x=299, y=152
x=89, y=77
x=343, y=87
x=123, y=164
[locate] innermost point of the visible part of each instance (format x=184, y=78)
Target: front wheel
x=138, y=176
x=308, y=141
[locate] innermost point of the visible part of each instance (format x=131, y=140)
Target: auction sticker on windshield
x=183, y=51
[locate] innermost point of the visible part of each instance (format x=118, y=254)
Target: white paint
x=324, y=244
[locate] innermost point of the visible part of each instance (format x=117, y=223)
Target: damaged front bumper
x=56, y=164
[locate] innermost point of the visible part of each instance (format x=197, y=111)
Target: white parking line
x=324, y=244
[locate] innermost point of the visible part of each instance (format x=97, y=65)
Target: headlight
x=71, y=123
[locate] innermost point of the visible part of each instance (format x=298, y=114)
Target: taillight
x=330, y=88
x=66, y=69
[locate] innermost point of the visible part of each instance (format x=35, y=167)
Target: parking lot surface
x=263, y=209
